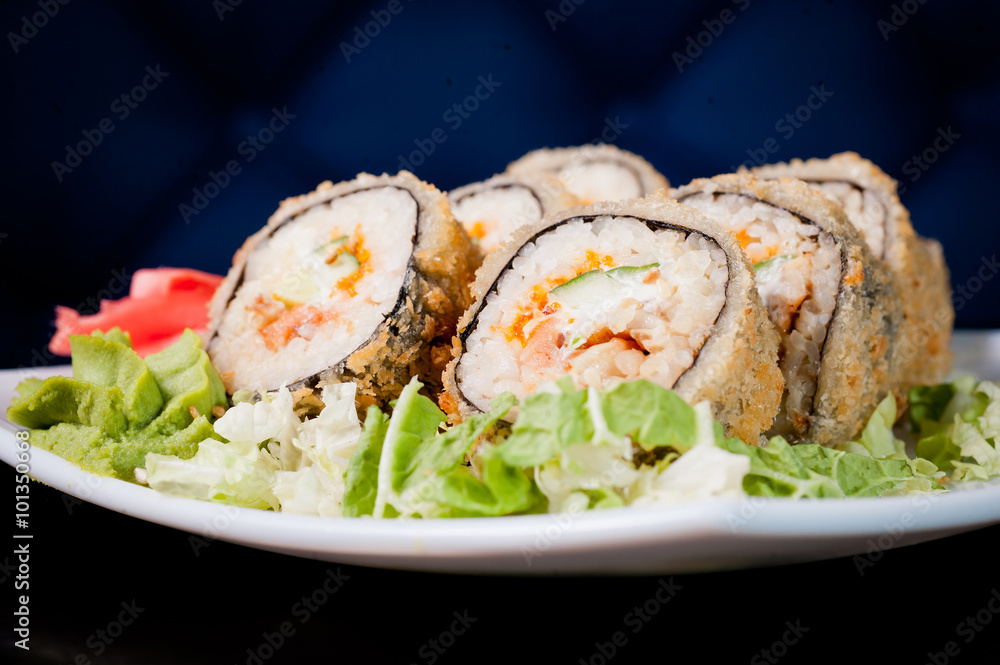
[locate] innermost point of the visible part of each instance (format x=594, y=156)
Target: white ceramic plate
x=699, y=536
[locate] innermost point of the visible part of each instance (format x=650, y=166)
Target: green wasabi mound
x=117, y=407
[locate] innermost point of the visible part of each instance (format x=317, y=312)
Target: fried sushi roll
x=352, y=282
x=834, y=305
x=595, y=172
x=870, y=201
x=492, y=210
x=617, y=291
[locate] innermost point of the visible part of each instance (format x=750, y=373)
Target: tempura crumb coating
x=917, y=264
x=858, y=367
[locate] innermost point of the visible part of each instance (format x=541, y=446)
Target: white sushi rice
x=386, y=217
x=661, y=317
x=493, y=214
x=601, y=180
x=866, y=212
x=799, y=287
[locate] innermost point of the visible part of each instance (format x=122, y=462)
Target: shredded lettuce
x=959, y=424
x=568, y=450
x=272, y=459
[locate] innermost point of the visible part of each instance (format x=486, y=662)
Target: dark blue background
x=70, y=242
x=562, y=78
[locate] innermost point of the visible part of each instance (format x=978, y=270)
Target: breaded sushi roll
x=617, y=291
x=870, y=201
x=352, y=282
x=834, y=305
x=492, y=210
x=595, y=172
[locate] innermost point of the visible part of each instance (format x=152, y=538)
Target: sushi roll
x=492, y=210
x=834, y=305
x=870, y=201
x=617, y=291
x=352, y=282
x=595, y=172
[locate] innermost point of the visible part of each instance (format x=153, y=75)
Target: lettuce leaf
x=361, y=477
x=811, y=470
x=420, y=469
x=502, y=490
x=547, y=423
x=649, y=415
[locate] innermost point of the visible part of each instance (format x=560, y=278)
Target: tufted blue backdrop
x=165, y=132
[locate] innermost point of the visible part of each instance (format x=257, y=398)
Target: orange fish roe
x=593, y=261
x=478, y=230
x=745, y=240
x=357, y=248
x=282, y=329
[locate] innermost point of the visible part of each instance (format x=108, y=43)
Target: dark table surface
x=92, y=569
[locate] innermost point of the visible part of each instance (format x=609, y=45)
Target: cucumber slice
x=327, y=248
x=294, y=288
x=631, y=272
x=345, y=264
x=773, y=262
x=586, y=288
